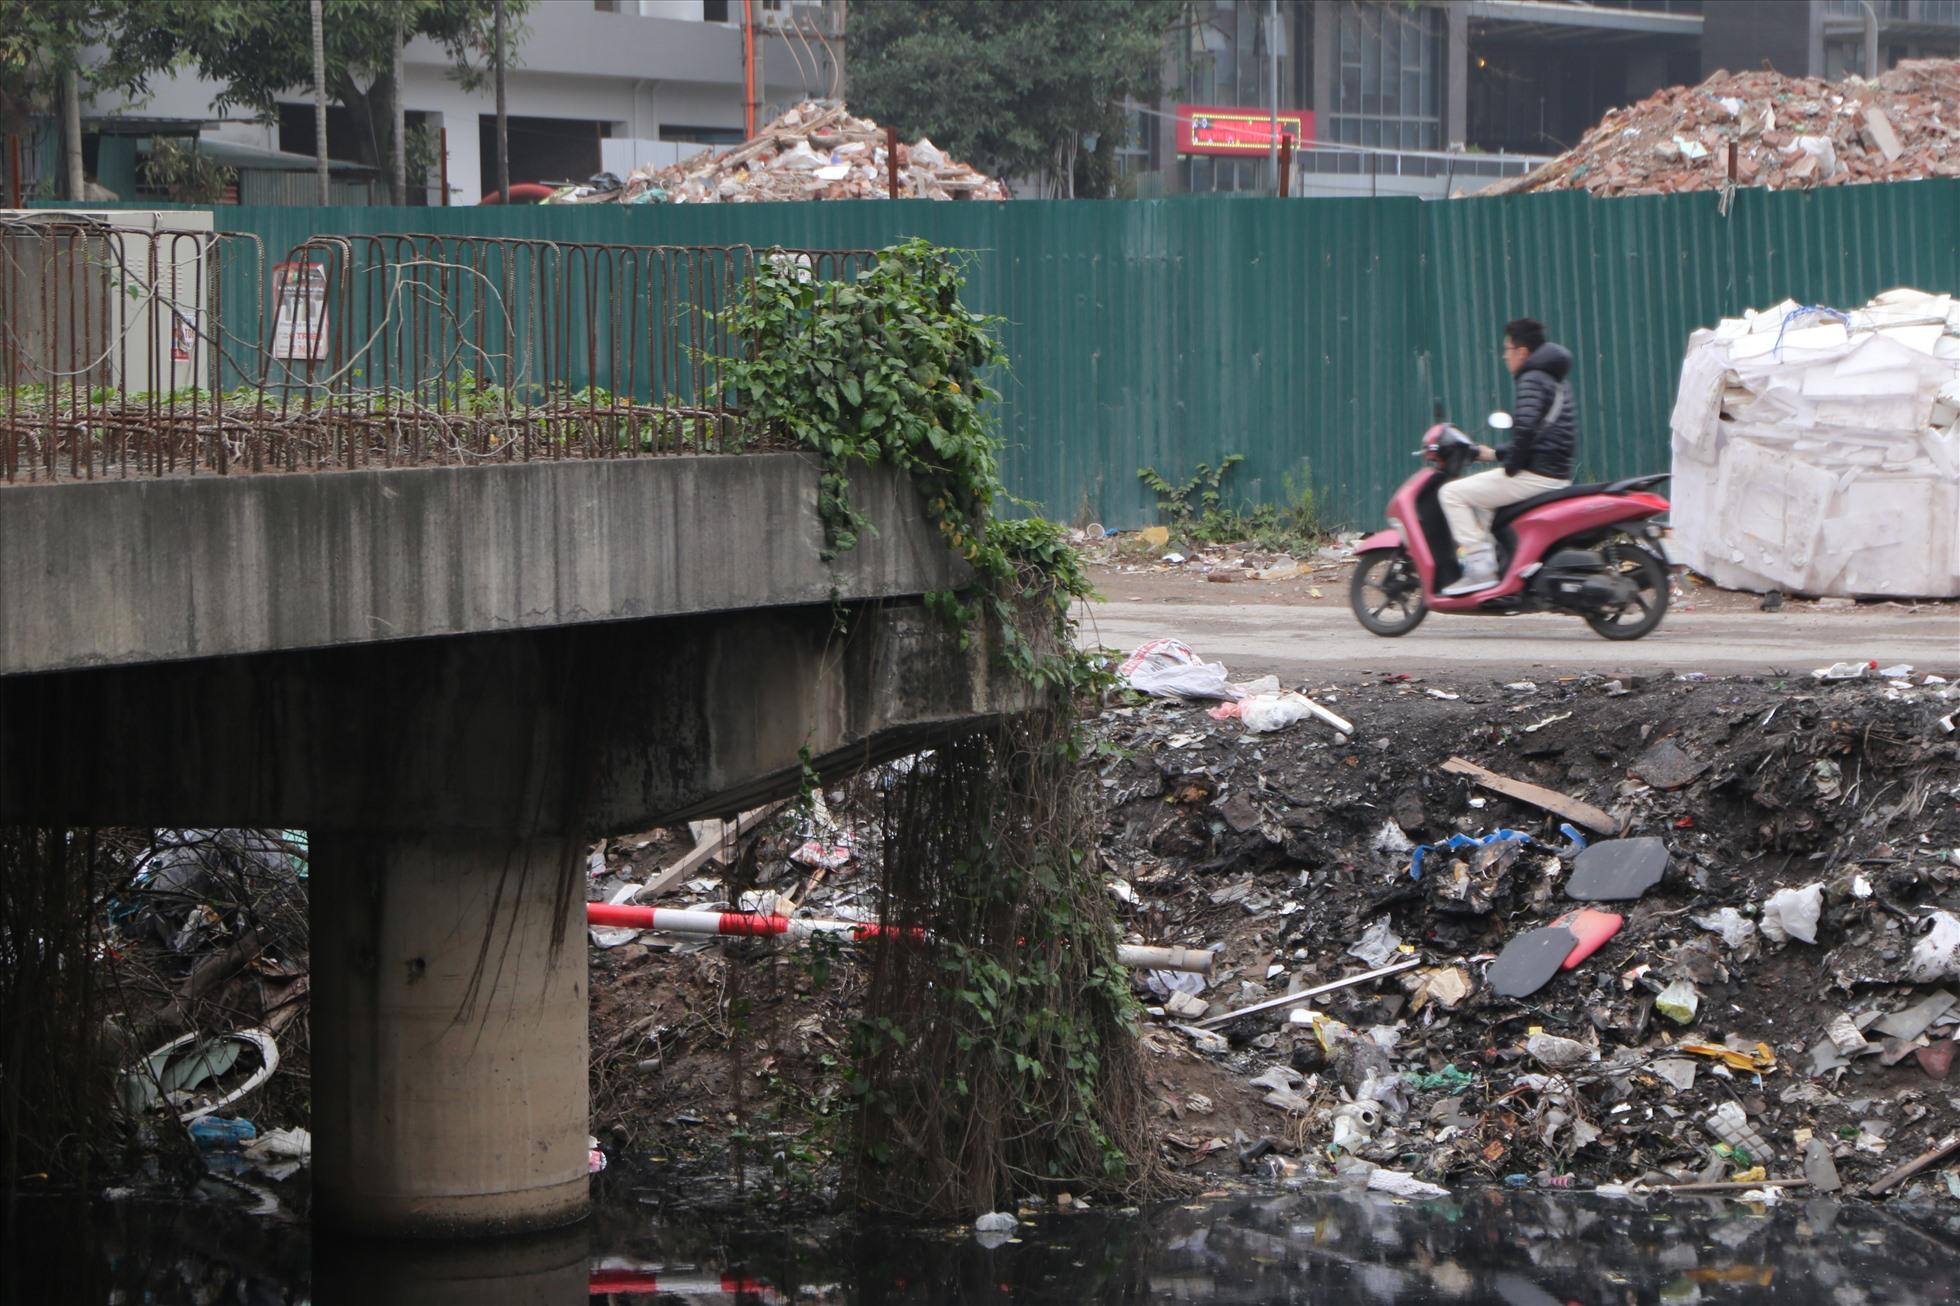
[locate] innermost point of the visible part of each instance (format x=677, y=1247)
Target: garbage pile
x=1788, y=132
x=1817, y=451
x=208, y=940
x=1670, y=933
x=812, y=152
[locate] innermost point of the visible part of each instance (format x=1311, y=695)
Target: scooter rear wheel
x=1386, y=593
x=1651, y=586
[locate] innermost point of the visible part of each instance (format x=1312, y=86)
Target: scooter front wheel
x=1386, y=593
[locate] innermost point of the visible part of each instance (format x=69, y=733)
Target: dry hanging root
x=1000, y=1061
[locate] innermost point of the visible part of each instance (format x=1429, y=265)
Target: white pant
x=1469, y=502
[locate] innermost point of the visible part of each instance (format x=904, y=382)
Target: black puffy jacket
x=1543, y=426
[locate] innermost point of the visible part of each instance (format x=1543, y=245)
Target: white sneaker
x=1479, y=573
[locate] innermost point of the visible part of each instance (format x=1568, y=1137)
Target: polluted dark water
x=1305, y=1245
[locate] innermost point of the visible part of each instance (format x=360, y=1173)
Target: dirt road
x=1309, y=641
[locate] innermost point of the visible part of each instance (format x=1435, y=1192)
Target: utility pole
x=1272, y=69
x=71, y=130
x=401, y=119
x=320, y=104
x=748, y=68
x=842, y=22
x=503, y=117
x=1871, y=40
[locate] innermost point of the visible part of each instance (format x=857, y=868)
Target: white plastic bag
x=1735, y=928
x=1267, y=712
x=1168, y=668
x=799, y=158
x=1377, y=944
x=1937, y=955
x=1792, y=914
x=1400, y=1183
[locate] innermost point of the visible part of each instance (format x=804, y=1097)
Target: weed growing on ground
x=1198, y=511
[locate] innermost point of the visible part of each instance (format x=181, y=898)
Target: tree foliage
x=38, y=41
x=1018, y=89
x=259, y=50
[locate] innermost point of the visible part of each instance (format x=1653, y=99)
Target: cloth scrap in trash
x=1464, y=841
x=814, y=853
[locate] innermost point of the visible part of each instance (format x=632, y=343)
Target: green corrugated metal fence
x=1171, y=332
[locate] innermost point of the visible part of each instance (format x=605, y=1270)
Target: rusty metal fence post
x=119, y=355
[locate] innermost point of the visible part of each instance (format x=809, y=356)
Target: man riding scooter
x=1538, y=457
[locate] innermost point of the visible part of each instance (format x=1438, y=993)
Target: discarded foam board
x=1817, y=451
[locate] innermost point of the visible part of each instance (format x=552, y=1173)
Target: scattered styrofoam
x=1818, y=451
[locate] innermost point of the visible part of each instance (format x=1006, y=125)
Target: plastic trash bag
x=1792, y=914
x=1167, y=668
x=1268, y=712
x=1937, y=955
x=1377, y=944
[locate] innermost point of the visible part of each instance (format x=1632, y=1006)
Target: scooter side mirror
x=1498, y=421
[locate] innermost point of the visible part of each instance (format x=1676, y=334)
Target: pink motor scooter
x=1592, y=550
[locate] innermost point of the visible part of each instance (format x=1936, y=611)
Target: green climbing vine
x=890, y=368
x=997, y=1058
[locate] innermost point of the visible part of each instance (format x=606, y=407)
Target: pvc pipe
x=1306, y=995
x=1197, y=960
x=749, y=924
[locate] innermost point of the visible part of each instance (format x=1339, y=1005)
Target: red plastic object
x=1591, y=928
x=522, y=192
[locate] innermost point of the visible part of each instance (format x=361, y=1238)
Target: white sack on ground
x=1818, y=452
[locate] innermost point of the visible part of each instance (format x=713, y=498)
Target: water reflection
x=1270, y=1246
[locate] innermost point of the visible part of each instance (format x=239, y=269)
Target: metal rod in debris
x=752, y=924
x=1306, y=995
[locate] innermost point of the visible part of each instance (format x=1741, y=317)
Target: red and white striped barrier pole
x=633, y=1281
x=751, y=924
x=677, y=920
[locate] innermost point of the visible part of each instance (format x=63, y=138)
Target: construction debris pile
x=812, y=152
x=1818, y=451
x=1788, y=132
x=1643, y=935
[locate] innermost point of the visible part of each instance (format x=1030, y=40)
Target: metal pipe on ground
x=1307, y=995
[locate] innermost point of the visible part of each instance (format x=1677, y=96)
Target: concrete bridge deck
x=453, y=677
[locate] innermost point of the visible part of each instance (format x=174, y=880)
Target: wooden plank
x=1537, y=795
x=710, y=846
x=1899, y=1174
x=1882, y=134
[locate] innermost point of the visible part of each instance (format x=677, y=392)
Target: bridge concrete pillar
x=448, y=1034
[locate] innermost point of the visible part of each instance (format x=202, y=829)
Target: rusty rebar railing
x=131, y=352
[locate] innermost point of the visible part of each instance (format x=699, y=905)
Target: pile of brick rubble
x=813, y=152
x=1788, y=132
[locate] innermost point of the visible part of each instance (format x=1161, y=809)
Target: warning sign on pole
x=299, y=324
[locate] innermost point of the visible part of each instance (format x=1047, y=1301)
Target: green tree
x=1029, y=88
x=41, y=42
x=258, y=50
